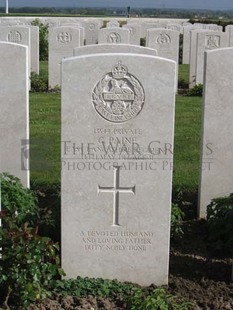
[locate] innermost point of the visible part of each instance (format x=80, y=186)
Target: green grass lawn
x=45, y=137
x=184, y=73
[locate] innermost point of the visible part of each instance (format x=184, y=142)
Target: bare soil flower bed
x=196, y=275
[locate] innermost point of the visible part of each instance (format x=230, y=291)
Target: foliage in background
x=28, y=262
x=43, y=37
x=135, y=297
x=183, y=84
x=197, y=90
x=220, y=223
x=177, y=216
x=181, y=48
x=38, y=84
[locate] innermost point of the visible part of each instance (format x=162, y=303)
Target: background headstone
x=135, y=33
x=193, y=56
x=216, y=173
x=19, y=35
x=165, y=41
x=91, y=32
x=186, y=42
x=208, y=40
x=113, y=24
x=113, y=48
x=14, y=116
x=34, y=50
x=62, y=41
x=114, y=35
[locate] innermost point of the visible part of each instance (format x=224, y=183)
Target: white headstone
x=62, y=41
x=19, y=35
x=208, y=41
x=216, y=173
x=149, y=25
x=114, y=35
x=14, y=116
x=91, y=32
x=114, y=48
x=113, y=24
x=165, y=41
x=116, y=168
x=193, y=56
x=186, y=42
x=229, y=31
x=34, y=50
x=176, y=27
x=135, y=33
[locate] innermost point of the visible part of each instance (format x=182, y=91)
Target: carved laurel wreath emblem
x=118, y=96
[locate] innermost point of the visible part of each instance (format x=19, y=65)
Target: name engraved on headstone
x=116, y=190
x=118, y=96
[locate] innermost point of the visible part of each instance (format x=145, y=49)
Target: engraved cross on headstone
x=116, y=190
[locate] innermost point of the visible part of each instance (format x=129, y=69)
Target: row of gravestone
x=197, y=38
x=28, y=36
x=65, y=42
x=117, y=153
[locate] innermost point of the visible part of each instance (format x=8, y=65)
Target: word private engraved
x=116, y=190
x=119, y=96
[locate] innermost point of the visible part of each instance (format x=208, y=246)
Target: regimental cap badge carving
x=163, y=39
x=119, y=71
x=118, y=96
x=114, y=37
x=14, y=36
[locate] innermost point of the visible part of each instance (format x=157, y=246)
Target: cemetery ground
x=198, y=272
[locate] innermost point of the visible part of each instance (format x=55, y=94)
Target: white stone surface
x=176, y=27
x=114, y=35
x=117, y=115
x=214, y=27
x=229, y=31
x=14, y=116
x=113, y=24
x=19, y=35
x=186, y=42
x=193, y=56
x=114, y=48
x=149, y=25
x=91, y=32
x=34, y=49
x=62, y=41
x=208, y=41
x=135, y=33
x=76, y=25
x=216, y=173
x=165, y=41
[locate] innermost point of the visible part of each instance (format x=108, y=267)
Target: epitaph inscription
x=119, y=96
